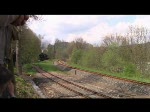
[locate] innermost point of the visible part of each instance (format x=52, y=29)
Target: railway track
x=76, y=88
x=121, y=87
x=114, y=77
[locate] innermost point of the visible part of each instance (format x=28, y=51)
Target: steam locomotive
x=43, y=57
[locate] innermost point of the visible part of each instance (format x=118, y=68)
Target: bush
x=112, y=61
x=130, y=69
x=76, y=56
x=91, y=58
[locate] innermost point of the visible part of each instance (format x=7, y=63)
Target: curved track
x=76, y=88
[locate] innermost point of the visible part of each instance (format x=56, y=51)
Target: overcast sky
x=92, y=28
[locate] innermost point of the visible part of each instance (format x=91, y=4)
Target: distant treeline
x=128, y=54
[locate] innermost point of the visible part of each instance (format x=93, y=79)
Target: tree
x=138, y=37
x=30, y=46
x=76, y=56
x=60, y=49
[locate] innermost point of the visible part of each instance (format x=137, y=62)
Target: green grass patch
x=29, y=70
x=136, y=76
x=25, y=89
x=47, y=66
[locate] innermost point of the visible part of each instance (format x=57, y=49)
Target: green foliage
x=122, y=55
x=28, y=69
x=30, y=46
x=76, y=56
x=91, y=58
x=112, y=61
x=50, y=51
x=60, y=49
x=130, y=69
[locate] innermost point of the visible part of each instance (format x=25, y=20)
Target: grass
x=136, y=77
x=24, y=89
x=47, y=66
x=50, y=67
x=29, y=70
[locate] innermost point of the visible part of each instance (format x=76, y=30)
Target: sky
x=92, y=28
